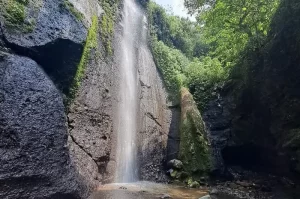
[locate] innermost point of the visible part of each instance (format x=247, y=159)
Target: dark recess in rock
x=55, y=43
x=59, y=59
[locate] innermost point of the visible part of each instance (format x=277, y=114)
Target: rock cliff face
x=255, y=123
x=41, y=45
x=55, y=40
x=155, y=120
x=34, y=159
x=46, y=152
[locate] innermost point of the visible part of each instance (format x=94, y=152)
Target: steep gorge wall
x=254, y=123
x=41, y=44
x=58, y=42
x=156, y=120
x=47, y=153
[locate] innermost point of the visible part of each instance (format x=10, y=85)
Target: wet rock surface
x=194, y=149
x=174, y=164
x=55, y=42
x=53, y=21
x=90, y=122
x=218, y=120
x=34, y=158
x=46, y=163
x=155, y=120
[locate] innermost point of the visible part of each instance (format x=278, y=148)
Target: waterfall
x=126, y=158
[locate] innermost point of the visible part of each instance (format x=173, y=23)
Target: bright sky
x=176, y=6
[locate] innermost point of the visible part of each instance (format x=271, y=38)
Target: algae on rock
x=194, y=150
x=15, y=14
x=90, y=44
x=70, y=7
x=107, y=23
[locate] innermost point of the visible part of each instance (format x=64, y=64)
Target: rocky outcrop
x=91, y=121
x=37, y=162
x=194, y=151
x=93, y=115
x=41, y=54
x=155, y=120
x=34, y=158
x=254, y=122
x=218, y=117
x=55, y=40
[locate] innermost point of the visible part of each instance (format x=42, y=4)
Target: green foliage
x=201, y=75
x=171, y=63
x=69, y=6
x=107, y=23
x=204, y=76
x=24, y=2
x=14, y=13
x=230, y=25
x=182, y=56
x=212, y=46
x=176, y=32
x=91, y=43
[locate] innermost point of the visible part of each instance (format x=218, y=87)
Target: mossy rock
x=90, y=44
x=194, y=151
x=14, y=14
x=107, y=23
x=70, y=7
x=194, y=184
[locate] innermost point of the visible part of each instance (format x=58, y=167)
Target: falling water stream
x=128, y=106
x=133, y=55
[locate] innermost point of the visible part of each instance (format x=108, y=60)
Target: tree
x=230, y=24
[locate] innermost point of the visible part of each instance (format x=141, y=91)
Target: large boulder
x=52, y=33
x=194, y=150
x=34, y=157
x=174, y=164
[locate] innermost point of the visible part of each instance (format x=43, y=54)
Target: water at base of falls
x=146, y=190
x=129, y=105
x=150, y=190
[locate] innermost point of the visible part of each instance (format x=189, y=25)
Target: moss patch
x=69, y=6
x=193, y=150
x=107, y=23
x=91, y=43
x=14, y=14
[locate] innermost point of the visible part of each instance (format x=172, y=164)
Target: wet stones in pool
x=174, y=164
x=205, y=197
x=165, y=196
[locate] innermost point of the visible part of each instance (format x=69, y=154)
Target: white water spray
x=128, y=105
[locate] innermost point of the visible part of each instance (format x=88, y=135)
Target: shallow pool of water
x=149, y=190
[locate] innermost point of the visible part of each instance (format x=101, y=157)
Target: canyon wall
x=58, y=97
x=254, y=121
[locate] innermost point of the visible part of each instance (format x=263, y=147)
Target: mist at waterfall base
x=132, y=21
